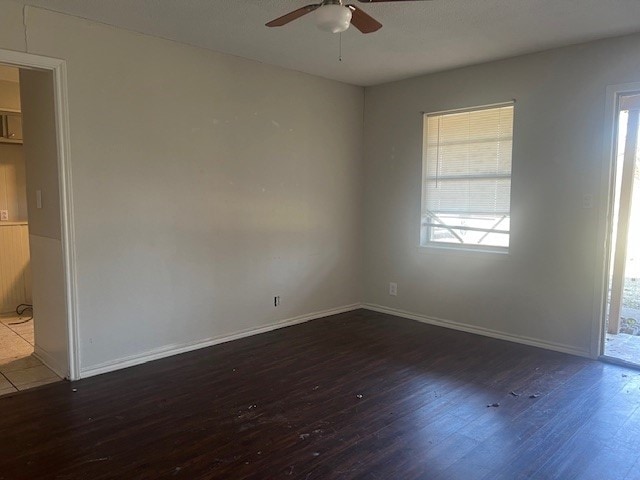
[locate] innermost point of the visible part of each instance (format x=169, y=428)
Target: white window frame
x=424, y=241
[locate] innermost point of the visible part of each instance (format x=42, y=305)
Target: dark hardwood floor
x=359, y=395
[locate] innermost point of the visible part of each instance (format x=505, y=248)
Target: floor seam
x=7, y=379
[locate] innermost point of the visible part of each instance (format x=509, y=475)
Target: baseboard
x=170, y=350
x=48, y=359
x=534, y=342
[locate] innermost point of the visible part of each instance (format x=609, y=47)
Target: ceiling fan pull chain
x=340, y=53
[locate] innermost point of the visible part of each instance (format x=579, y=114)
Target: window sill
x=440, y=248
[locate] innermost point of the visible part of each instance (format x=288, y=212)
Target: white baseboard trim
x=486, y=332
x=170, y=350
x=48, y=359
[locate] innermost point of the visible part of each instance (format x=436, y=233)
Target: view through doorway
x=21, y=366
x=622, y=340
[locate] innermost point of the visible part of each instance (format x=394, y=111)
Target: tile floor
x=19, y=368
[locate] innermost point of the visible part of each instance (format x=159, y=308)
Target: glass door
x=622, y=340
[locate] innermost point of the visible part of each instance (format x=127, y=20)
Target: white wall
x=203, y=185
x=49, y=306
x=41, y=152
x=543, y=291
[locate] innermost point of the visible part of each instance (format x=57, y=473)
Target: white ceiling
x=418, y=37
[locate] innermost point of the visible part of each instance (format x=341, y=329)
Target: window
x=466, y=191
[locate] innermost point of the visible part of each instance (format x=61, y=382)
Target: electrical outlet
x=4, y=215
x=393, y=289
x=276, y=301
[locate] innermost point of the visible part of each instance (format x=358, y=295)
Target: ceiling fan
x=335, y=17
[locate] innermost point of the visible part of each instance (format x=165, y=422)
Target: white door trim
x=59, y=69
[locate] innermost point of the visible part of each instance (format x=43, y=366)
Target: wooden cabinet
x=10, y=127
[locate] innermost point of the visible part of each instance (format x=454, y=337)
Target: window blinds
x=467, y=162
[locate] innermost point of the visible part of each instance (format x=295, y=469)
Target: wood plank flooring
x=359, y=395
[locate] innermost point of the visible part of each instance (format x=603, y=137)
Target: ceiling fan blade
x=363, y=21
x=291, y=16
x=386, y=1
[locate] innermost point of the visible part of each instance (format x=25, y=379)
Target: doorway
x=20, y=367
x=45, y=316
x=622, y=319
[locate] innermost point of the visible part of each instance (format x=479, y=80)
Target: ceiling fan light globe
x=333, y=18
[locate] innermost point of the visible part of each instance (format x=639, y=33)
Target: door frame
x=605, y=216
x=58, y=68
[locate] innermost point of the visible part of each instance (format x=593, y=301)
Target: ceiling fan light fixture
x=333, y=18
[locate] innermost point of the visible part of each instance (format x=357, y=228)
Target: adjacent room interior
x=20, y=367
x=372, y=239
